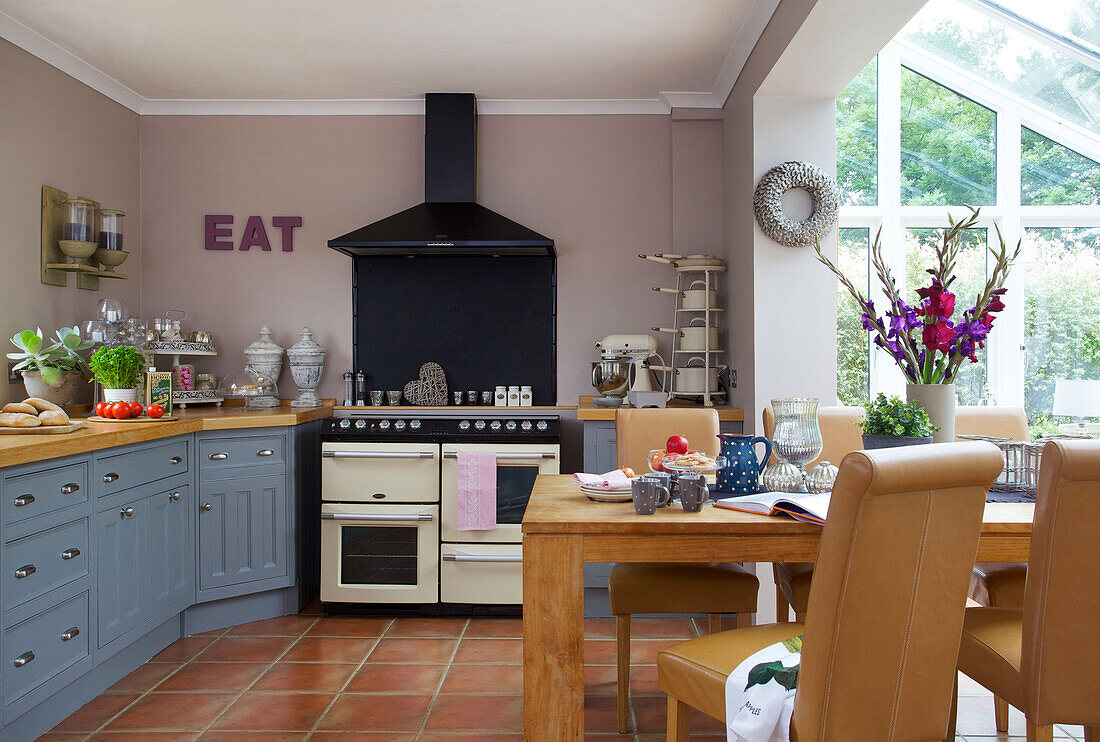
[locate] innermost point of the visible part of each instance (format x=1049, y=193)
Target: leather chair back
x=1060, y=653
x=839, y=433
x=889, y=592
x=637, y=432
x=997, y=422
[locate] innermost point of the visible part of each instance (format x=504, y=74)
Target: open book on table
x=798, y=505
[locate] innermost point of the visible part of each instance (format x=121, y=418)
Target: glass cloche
x=249, y=385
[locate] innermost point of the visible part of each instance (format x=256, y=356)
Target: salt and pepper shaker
x=360, y=389
x=349, y=389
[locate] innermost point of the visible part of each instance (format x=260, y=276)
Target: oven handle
x=378, y=454
x=509, y=456
x=377, y=518
x=468, y=558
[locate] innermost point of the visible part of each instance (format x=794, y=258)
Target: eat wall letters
x=217, y=228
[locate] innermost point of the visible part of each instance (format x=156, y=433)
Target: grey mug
x=693, y=492
x=648, y=496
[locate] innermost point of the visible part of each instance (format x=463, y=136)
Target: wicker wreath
x=768, y=206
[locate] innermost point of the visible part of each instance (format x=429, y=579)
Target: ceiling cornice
x=31, y=41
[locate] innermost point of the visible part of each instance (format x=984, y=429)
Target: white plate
x=617, y=490
x=608, y=497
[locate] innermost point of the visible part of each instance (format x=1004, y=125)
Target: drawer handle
x=23, y=500
x=221, y=455
x=69, y=634
x=25, y=571
x=108, y=478
x=265, y=452
x=126, y=512
x=70, y=488
x=70, y=554
x=206, y=506
x=175, y=460
x=174, y=497
x=23, y=659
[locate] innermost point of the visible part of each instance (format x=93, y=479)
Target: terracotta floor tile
x=234, y=736
x=63, y=737
x=330, y=649
x=375, y=713
x=471, y=737
x=663, y=628
x=213, y=676
x=499, y=628
x=420, y=651
x=599, y=652
x=601, y=715
x=92, y=715
x=176, y=711
x=495, y=679
x=378, y=677
x=479, y=713
x=143, y=678
x=213, y=632
x=644, y=651
x=599, y=628
x=246, y=649
x=643, y=681
x=418, y=626
x=144, y=737
x=599, y=680
x=275, y=711
x=305, y=676
x=651, y=713
x=360, y=626
x=313, y=609
x=280, y=626
x=182, y=650
x=361, y=737
x=490, y=651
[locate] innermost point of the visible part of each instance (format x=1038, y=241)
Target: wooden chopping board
x=44, y=429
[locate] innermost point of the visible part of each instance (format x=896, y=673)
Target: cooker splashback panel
x=487, y=321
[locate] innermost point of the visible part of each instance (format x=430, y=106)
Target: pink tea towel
x=477, y=491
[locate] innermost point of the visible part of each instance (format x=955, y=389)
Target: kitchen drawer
x=221, y=454
x=149, y=463
x=42, y=492
x=485, y=574
x=39, y=648
x=47, y=560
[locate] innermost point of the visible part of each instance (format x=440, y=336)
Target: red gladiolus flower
x=937, y=301
x=938, y=336
x=996, y=305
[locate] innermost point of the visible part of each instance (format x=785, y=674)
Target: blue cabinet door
x=243, y=530
x=120, y=570
x=170, y=549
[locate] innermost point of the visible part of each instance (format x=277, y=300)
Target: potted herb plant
x=889, y=422
x=117, y=370
x=50, y=372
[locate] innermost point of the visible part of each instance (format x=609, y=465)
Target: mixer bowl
x=611, y=376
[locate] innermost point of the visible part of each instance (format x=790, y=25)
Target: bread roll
x=18, y=420
x=53, y=417
x=42, y=405
x=22, y=407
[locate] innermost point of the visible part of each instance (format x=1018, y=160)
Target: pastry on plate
x=694, y=460
x=21, y=407
x=53, y=417
x=18, y=420
x=42, y=405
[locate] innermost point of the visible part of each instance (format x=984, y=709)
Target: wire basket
x=1022, y=460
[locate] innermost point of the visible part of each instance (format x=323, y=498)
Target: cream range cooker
x=389, y=491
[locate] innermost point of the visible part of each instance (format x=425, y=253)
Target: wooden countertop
x=586, y=410
x=95, y=436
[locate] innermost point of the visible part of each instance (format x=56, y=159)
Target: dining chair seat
x=998, y=585
x=792, y=581
x=992, y=643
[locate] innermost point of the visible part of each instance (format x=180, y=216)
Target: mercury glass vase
x=797, y=436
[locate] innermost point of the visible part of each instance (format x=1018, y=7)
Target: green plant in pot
x=889, y=422
x=117, y=370
x=53, y=371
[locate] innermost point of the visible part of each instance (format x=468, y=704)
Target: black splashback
x=487, y=321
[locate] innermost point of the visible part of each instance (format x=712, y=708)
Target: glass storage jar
x=249, y=385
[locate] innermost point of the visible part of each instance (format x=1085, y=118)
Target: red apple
x=677, y=444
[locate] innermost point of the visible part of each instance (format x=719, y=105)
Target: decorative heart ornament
x=430, y=389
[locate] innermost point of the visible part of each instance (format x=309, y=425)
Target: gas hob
x=480, y=426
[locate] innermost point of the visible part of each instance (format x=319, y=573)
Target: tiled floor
x=346, y=678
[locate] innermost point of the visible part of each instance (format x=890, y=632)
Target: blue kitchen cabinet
x=120, y=564
x=171, y=548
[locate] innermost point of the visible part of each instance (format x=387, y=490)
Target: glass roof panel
x=1077, y=20
x=1009, y=59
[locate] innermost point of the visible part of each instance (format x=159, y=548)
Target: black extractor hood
x=450, y=222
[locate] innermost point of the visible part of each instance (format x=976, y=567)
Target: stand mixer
x=623, y=370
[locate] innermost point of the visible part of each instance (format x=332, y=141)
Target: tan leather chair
x=1042, y=657
x=886, y=607
x=713, y=589
x=839, y=437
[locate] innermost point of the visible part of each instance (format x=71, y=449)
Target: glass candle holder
x=110, y=229
x=79, y=219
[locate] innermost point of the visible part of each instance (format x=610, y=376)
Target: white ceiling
x=597, y=55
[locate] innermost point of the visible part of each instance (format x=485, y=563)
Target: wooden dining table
x=563, y=529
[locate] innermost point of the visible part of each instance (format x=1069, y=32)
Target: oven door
x=517, y=466
x=379, y=472
x=379, y=553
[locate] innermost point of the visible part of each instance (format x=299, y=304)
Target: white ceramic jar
x=525, y=396
x=513, y=396
x=500, y=397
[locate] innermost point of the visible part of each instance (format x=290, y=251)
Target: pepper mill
x=349, y=388
x=360, y=389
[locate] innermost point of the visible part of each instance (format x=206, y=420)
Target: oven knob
x=526, y=425
x=464, y=425
x=511, y=425
x=345, y=424
x=399, y=425
x=479, y=425
x=542, y=425
x=360, y=424
x=384, y=425
x=495, y=425
x=414, y=425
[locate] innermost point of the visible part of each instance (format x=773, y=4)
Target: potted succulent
x=53, y=371
x=889, y=422
x=117, y=370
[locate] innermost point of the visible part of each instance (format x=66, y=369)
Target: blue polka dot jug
x=742, y=473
